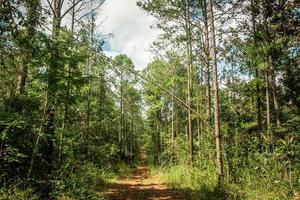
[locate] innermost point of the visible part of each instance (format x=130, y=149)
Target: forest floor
x=141, y=186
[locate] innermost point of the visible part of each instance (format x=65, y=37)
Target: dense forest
x=217, y=111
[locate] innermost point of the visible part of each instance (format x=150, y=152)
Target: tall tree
x=188, y=32
x=219, y=159
x=258, y=100
x=207, y=58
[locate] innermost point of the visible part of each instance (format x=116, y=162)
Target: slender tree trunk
x=268, y=100
x=258, y=106
x=199, y=131
x=172, y=129
x=125, y=140
x=101, y=104
x=274, y=92
x=22, y=76
x=87, y=111
x=219, y=160
x=198, y=121
x=32, y=18
x=271, y=69
x=88, y=106
x=206, y=60
x=158, y=144
x=189, y=77
x=121, y=115
x=131, y=139
x=49, y=126
x=65, y=119
x=66, y=105
x=257, y=87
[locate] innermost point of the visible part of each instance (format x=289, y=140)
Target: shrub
x=14, y=192
x=84, y=182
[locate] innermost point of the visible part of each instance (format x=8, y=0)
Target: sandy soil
x=141, y=186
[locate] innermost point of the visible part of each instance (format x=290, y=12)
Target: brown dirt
x=141, y=186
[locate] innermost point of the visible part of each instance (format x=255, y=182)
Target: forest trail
x=141, y=186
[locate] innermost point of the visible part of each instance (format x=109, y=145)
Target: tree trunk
x=274, y=92
x=88, y=105
x=206, y=61
x=158, y=145
x=32, y=18
x=219, y=160
x=258, y=106
x=172, y=129
x=131, y=139
x=49, y=126
x=22, y=76
x=101, y=105
x=121, y=115
x=189, y=77
x=271, y=69
x=268, y=100
x=66, y=106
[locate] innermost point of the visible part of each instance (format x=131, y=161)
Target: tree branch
x=51, y=7
x=90, y=12
x=70, y=8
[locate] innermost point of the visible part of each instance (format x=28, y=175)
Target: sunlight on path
x=141, y=186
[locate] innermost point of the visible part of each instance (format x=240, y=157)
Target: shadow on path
x=141, y=186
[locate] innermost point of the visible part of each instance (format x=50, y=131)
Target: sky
x=131, y=31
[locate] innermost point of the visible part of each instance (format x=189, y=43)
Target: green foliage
x=81, y=181
x=196, y=183
x=16, y=133
x=16, y=191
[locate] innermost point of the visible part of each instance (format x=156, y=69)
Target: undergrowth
x=73, y=182
x=85, y=183
x=198, y=183
x=16, y=192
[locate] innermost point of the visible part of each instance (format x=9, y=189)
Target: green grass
x=197, y=184
x=192, y=182
x=15, y=191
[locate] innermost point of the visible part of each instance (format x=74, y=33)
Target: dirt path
x=141, y=186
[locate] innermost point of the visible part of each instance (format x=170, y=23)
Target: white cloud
x=131, y=30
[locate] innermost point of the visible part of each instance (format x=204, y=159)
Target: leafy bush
x=14, y=192
x=84, y=182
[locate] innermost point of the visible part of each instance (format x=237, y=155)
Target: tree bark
x=268, y=100
x=172, y=119
x=121, y=115
x=274, y=92
x=101, y=104
x=219, y=160
x=189, y=77
x=158, y=145
x=206, y=60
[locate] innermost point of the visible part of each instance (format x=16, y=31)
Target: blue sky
x=130, y=28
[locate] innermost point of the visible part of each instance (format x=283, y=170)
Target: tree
x=219, y=160
x=125, y=82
